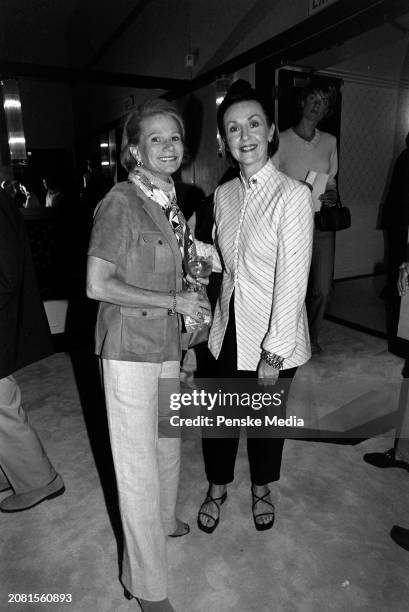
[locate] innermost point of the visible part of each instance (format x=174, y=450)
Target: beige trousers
x=23, y=459
x=147, y=470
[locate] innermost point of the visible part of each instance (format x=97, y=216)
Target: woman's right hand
x=329, y=197
x=192, y=303
x=403, y=279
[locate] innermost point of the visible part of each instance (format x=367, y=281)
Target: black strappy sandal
x=218, y=501
x=256, y=499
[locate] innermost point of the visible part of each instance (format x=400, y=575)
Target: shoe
x=218, y=501
x=385, y=460
x=129, y=596
x=23, y=501
x=150, y=606
x=400, y=535
x=256, y=499
x=184, y=527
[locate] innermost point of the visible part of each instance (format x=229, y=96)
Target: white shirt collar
x=259, y=178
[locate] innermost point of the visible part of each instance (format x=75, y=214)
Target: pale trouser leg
x=22, y=456
x=402, y=432
x=142, y=463
x=320, y=280
x=169, y=454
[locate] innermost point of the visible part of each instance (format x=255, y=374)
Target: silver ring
x=199, y=315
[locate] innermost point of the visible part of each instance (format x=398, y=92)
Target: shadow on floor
x=79, y=342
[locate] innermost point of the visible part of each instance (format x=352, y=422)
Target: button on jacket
x=132, y=231
x=263, y=241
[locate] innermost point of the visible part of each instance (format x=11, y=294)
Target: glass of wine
x=198, y=267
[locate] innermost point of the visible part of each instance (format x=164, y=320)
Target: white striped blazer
x=262, y=244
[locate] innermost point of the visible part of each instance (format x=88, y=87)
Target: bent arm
x=291, y=274
x=104, y=285
x=209, y=250
x=333, y=169
x=403, y=279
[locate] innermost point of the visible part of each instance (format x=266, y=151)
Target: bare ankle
x=217, y=490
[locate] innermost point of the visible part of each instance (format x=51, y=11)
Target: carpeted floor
x=329, y=549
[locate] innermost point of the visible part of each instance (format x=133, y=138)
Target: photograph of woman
x=135, y=270
x=263, y=238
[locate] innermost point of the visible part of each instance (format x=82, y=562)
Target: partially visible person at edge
x=395, y=223
x=26, y=472
x=135, y=269
x=303, y=148
x=398, y=456
x=263, y=239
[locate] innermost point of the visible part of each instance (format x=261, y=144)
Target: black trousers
x=219, y=454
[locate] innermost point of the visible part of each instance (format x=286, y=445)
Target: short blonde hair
x=132, y=127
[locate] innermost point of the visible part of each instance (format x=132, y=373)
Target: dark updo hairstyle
x=324, y=87
x=242, y=91
x=132, y=127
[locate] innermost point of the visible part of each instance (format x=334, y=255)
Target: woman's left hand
x=267, y=374
x=198, y=281
x=329, y=197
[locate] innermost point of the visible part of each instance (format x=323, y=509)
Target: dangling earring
x=222, y=149
x=135, y=154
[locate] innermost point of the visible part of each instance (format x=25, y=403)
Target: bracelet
x=273, y=360
x=172, y=310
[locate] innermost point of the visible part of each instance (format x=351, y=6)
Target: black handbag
x=332, y=218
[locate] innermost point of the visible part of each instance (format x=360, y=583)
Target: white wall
x=366, y=155
x=374, y=125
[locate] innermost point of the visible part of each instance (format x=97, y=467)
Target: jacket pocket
x=143, y=330
x=160, y=251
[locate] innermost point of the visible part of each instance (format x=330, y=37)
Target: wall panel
x=367, y=154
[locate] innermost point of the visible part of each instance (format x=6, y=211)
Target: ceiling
x=136, y=37
x=144, y=43
x=380, y=53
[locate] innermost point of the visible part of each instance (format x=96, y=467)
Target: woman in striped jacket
x=262, y=245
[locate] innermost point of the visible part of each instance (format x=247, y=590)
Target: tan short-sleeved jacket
x=132, y=231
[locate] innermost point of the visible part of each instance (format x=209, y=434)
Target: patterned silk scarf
x=164, y=194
